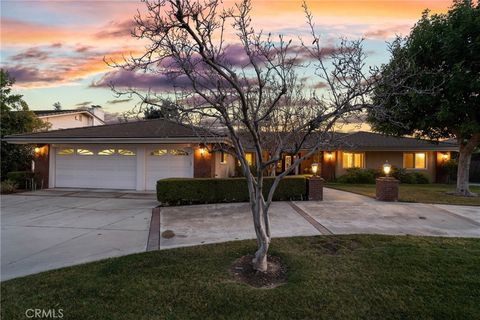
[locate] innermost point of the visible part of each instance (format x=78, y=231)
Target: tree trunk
x=464, y=157
x=261, y=227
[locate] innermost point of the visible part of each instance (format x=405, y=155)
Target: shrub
x=20, y=177
x=8, y=186
x=409, y=177
x=421, y=178
x=357, y=175
x=177, y=191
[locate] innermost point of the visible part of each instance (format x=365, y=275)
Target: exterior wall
x=328, y=168
x=376, y=159
x=69, y=121
x=224, y=170
x=203, y=164
x=41, y=170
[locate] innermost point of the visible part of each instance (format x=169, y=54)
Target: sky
x=56, y=49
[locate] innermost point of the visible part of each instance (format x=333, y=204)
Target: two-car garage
x=118, y=166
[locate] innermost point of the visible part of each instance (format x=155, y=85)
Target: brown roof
x=162, y=130
x=374, y=141
x=155, y=129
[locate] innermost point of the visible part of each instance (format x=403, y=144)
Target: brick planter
x=315, y=188
x=387, y=189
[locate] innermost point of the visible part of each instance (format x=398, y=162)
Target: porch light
x=314, y=168
x=445, y=156
x=387, y=167
x=329, y=155
x=202, y=149
x=37, y=150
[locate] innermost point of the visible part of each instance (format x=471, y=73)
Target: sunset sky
x=55, y=49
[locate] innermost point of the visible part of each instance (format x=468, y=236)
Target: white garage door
x=95, y=167
x=167, y=163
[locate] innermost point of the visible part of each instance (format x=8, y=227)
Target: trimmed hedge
x=20, y=177
x=178, y=191
x=368, y=176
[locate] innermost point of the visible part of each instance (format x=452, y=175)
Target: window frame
x=425, y=160
x=223, y=157
x=362, y=159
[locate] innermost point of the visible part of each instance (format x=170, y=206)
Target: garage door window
x=126, y=152
x=84, y=152
x=65, y=152
x=106, y=152
x=159, y=152
x=178, y=152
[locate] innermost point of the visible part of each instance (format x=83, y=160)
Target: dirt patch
x=276, y=274
x=168, y=234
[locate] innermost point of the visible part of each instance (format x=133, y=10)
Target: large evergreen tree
x=442, y=100
x=15, y=117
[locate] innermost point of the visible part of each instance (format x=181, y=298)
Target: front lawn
x=342, y=277
x=425, y=193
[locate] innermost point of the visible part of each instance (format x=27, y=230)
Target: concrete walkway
x=46, y=232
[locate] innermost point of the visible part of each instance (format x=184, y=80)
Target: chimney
x=99, y=113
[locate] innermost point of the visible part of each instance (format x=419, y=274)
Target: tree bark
x=464, y=157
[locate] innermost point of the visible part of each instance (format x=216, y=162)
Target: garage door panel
x=95, y=171
x=167, y=166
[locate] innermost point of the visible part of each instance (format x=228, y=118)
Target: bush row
x=368, y=176
x=20, y=178
x=177, y=191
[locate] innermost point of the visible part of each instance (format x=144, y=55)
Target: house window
x=125, y=152
x=84, y=152
x=353, y=160
x=415, y=160
x=65, y=152
x=249, y=158
x=223, y=157
x=159, y=152
x=106, y=152
x=178, y=152
x=288, y=162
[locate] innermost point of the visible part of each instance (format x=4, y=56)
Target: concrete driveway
x=340, y=213
x=54, y=230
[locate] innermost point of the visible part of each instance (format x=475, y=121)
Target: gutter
x=20, y=140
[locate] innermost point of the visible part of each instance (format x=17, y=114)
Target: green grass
x=424, y=193
x=369, y=277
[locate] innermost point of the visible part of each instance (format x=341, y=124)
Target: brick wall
x=203, y=164
x=387, y=189
x=42, y=165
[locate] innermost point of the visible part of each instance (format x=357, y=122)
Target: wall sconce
x=314, y=168
x=387, y=167
x=203, y=149
x=445, y=156
x=329, y=155
x=37, y=150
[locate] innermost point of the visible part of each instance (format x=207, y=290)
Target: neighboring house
x=134, y=155
x=75, y=118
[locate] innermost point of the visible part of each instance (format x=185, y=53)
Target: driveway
x=340, y=213
x=55, y=229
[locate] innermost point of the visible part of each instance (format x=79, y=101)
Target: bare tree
x=253, y=87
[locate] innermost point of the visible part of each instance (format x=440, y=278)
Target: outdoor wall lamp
x=37, y=150
x=445, y=156
x=329, y=155
x=387, y=167
x=202, y=149
x=314, y=168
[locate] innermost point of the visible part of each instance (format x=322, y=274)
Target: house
x=73, y=118
x=134, y=155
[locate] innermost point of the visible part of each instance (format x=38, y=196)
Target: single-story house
x=72, y=118
x=134, y=155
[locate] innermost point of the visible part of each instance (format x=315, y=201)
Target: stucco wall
x=69, y=121
x=224, y=170
x=376, y=159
